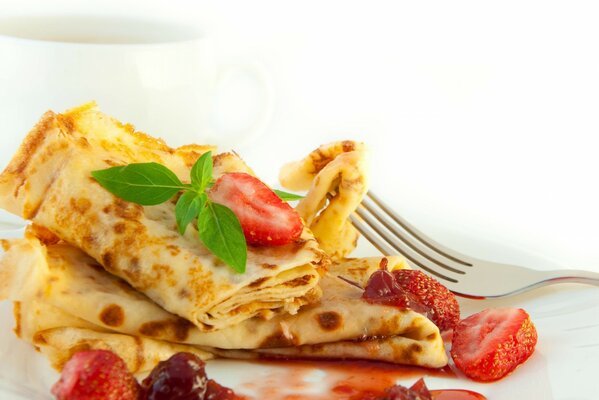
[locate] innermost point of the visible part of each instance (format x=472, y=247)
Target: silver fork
x=464, y=275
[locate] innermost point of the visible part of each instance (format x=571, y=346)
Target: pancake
x=49, y=182
x=79, y=294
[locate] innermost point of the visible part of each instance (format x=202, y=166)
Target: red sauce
x=345, y=380
x=456, y=394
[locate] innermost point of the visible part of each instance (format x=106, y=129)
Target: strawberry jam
x=183, y=377
x=407, y=288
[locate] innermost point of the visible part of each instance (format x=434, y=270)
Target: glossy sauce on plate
x=344, y=380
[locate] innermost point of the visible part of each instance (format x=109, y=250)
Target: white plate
x=564, y=365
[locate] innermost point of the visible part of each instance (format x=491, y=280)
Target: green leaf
x=286, y=196
x=221, y=233
x=143, y=183
x=188, y=207
x=201, y=172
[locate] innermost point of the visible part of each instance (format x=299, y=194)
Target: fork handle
x=570, y=276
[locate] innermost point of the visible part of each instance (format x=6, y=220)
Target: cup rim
x=183, y=32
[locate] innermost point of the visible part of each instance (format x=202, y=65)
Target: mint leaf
x=147, y=184
x=187, y=208
x=286, y=196
x=221, y=233
x=201, y=172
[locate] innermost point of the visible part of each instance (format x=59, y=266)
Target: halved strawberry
x=266, y=220
x=492, y=343
x=439, y=303
x=96, y=375
x=413, y=289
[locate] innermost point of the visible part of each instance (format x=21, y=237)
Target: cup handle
x=256, y=128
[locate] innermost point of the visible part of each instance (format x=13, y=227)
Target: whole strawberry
x=492, y=343
x=96, y=375
x=439, y=304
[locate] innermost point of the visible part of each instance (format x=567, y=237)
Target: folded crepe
x=335, y=175
x=59, y=335
x=48, y=182
x=82, y=296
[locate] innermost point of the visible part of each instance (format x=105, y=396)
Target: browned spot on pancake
x=112, y=163
x=432, y=336
x=406, y=354
x=45, y=235
x=30, y=146
x=108, y=260
x=277, y=339
x=127, y=210
x=268, y=266
x=119, y=227
x=139, y=354
x=53, y=279
x=167, y=329
x=184, y=293
x=80, y=205
x=301, y=281
x=66, y=122
x=348, y=146
x=112, y=315
x=258, y=282
x=89, y=239
x=83, y=142
x=218, y=263
x=416, y=348
x=217, y=160
x=30, y=210
x=16, y=310
x=163, y=271
x=351, y=184
x=319, y=160
x=134, y=263
x=329, y=320
x=387, y=327
x=174, y=250
x=414, y=332
x=39, y=338
x=298, y=245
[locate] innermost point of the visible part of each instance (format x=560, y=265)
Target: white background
x=482, y=117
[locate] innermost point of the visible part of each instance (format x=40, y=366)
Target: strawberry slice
x=413, y=289
x=439, y=303
x=492, y=343
x=266, y=220
x=96, y=375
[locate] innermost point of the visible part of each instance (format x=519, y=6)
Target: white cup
x=159, y=76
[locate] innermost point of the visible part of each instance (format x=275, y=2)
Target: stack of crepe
x=94, y=271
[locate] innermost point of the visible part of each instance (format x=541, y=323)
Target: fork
x=464, y=275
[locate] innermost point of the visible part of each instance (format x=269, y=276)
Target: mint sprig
x=286, y=196
x=152, y=183
x=147, y=184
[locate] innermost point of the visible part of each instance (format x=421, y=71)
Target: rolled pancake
x=58, y=336
x=336, y=179
x=63, y=277
x=48, y=181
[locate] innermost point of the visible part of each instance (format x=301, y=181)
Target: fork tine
x=376, y=235
x=371, y=199
x=400, y=234
x=367, y=231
